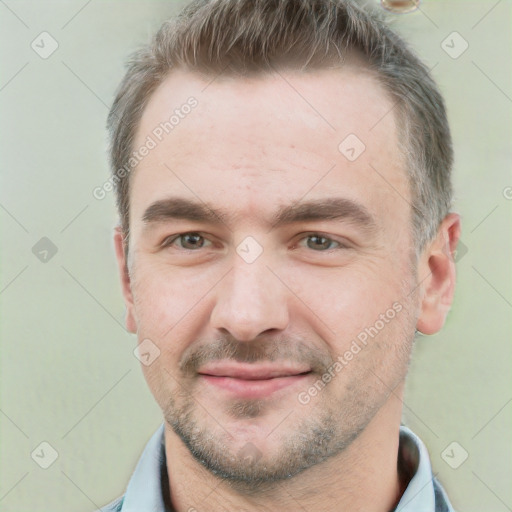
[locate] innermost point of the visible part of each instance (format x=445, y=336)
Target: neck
x=363, y=477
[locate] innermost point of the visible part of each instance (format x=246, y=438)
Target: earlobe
x=437, y=274
x=119, y=244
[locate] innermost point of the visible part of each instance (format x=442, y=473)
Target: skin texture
x=249, y=147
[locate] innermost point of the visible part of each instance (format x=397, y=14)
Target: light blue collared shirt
x=145, y=491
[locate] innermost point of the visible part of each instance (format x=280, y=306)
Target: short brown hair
x=241, y=37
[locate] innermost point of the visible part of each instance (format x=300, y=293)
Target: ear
x=119, y=244
x=438, y=288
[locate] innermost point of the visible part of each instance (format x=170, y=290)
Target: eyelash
x=171, y=239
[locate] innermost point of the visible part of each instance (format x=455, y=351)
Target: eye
x=321, y=243
x=189, y=241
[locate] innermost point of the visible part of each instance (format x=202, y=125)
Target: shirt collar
x=423, y=493
x=144, y=491
x=420, y=494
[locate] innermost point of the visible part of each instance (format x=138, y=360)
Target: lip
x=250, y=380
x=252, y=371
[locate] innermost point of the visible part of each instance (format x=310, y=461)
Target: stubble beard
x=330, y=427
x=313, y=440
x=307, y=437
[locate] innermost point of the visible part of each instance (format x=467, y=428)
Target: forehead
x=270, y=138
x=330, y=100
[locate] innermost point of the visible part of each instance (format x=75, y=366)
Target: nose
x=250, y=301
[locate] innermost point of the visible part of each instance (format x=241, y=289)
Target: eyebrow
x=330, y=208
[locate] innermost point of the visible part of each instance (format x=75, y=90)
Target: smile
x=248, y=380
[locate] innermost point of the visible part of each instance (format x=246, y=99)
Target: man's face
x=306, y=261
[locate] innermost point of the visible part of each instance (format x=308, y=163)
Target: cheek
x=164, y=296
x=349, y=299
x=172, y=310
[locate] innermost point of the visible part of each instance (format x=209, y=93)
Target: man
x=282, y=170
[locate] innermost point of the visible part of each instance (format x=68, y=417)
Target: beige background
x=68, y=374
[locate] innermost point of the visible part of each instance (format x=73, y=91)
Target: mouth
x=252, y=380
